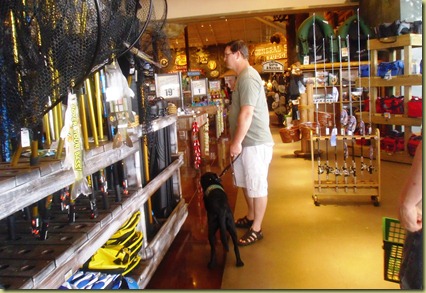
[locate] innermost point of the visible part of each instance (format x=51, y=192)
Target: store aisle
x=337, y=245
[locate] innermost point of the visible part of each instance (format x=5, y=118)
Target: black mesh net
x=154, y=39
x=49, y=47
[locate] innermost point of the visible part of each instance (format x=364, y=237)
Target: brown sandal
x=250, y=237
x=243, y=223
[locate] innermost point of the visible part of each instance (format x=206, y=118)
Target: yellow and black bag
x=111, y=259
x=119, y=255
x=126, y=231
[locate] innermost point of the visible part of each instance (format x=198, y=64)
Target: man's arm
x=245, y=118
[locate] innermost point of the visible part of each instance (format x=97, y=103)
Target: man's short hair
x=239, y=45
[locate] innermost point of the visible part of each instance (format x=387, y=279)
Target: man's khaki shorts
x=251, y=169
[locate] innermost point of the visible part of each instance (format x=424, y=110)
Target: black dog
x=219, y=216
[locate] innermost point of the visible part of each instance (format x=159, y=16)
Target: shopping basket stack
x=393, y=243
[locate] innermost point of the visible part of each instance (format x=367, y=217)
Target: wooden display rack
x=396, y=47
x=365, y=181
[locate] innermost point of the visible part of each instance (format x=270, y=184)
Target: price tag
x=344, y=52
x=25, y=137
x=167, y=86
x=333, y=137
x=306, y=60
x=199, y=87
x=169, y=91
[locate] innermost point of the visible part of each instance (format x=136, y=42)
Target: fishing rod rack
x=349, y=168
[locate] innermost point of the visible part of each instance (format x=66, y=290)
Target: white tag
x=333, y=137
x=25, y=137
x=327, y=131
x=342, y=131
x=306, y=60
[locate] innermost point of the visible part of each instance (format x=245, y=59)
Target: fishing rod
x=327, y=131
x=345, y=170
x=344, y=113
x=336, y=172
x=363, y=165
x=352, y=120
x=327, y=167
x=335, y=94
x=369, y=87
x=371, y=167
x=315, y=70
x=320, y=168
x=353, y=167
x=361, y=126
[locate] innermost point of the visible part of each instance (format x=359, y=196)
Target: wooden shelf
x=413, y=40
x=396, y=47
x=23, y=185
x=395, y=119
x=399, y=80
x=54, y=276
x=330, y=65
x=397, y=157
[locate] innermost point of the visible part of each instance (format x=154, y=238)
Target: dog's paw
x=240, y=263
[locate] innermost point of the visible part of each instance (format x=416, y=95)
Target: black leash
x=229, y=166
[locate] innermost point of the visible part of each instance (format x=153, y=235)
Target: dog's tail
x=222, y=227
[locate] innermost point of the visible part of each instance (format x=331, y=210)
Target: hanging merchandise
x=71, y=133
x=314, y=27
x=219, y=121
x=206, y=138
x=117, y=94
x=48, y=49
x=196, y=145
x=357, y=30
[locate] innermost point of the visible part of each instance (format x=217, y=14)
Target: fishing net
x=50, y=47
x=154, y=39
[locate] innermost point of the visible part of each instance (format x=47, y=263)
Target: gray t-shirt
x=249, y=90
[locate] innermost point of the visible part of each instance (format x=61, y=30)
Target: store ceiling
x=257, y=28
x=214, y=32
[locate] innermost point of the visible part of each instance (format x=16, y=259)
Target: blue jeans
x=411, y=270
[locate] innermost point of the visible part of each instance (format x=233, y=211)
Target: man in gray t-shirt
x=249, y=91
x=251, y=140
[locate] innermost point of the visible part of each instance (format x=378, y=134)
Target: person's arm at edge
x=412, y=194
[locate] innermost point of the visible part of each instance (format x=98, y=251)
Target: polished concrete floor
x=336, y=245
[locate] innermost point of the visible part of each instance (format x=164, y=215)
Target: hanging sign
x=272, y=66
x=168, y=86
x=199, y=87
x=214, y=85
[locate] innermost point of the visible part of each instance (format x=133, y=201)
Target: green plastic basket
x=393, y=243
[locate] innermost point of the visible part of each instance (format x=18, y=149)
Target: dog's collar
x=211, y=187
